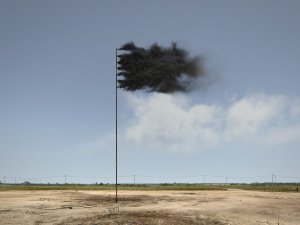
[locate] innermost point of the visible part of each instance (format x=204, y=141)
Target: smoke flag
x=157, y=69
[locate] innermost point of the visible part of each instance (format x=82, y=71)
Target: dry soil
x=235, y=207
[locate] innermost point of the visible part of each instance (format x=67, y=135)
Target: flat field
x=94, y=207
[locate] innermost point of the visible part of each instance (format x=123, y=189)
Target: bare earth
x=234, y=207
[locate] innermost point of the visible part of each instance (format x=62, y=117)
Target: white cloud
x=170, y=123
x=248, y=115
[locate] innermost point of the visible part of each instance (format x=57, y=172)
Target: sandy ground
x=234, y=207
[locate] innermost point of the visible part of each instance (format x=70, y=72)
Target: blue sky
x=57, y=74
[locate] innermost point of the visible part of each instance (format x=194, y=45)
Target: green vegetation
x=279, y=187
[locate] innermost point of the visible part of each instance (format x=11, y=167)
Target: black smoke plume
x=157, y=68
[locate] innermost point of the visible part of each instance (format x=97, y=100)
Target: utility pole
x=4, y=179
x=65, y=179
x=226, y=179
x=116, y=125
x=134, y=179
x=272, y=178
x=204, y=179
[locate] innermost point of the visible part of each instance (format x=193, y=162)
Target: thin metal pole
x=116, y=126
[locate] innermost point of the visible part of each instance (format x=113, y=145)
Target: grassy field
x=286, y=187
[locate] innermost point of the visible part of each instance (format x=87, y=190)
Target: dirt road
x=234, y=207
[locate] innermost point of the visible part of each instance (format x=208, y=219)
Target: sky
x=57, y=92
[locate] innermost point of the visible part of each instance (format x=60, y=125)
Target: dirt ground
x=234, y=207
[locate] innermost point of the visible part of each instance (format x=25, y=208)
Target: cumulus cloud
x=166, y=121
x=248, y=115
x=171, y=123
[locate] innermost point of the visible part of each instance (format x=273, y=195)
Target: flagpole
x=116, y=126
